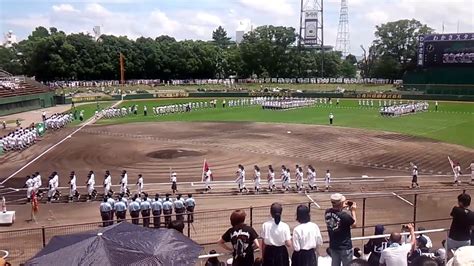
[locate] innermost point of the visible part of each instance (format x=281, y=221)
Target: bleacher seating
x=12, y=87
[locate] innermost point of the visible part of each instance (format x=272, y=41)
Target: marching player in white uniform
x=472, y=172
x=124, y=182
x=140, y=184
x=73, y=187
x=414, y=180
x=299, y=178
x=457, y=173
x=311, y=174
x=90, y=185
x=30, y=186
x=174, y=185
x=38, y=183
x=207, y=178
x=327, y=179
x=287, y=179
x=107, y=183
x=52, y=188
x=271, y=178
x=241, y=178
x=257, y=178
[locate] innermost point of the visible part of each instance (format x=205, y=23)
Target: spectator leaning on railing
x=463, y=220
x=396, y=253
x=339, y=223
x=375, y=246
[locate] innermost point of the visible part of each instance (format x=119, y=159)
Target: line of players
x=398, y=110
x=57, y=121
x=285, y=177
x=149, y=208
x=19, y=139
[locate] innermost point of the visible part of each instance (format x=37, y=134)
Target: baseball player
x=190, y=204
x=37, y=181
x=73, y=187
x=311, y=174
x=107, y=183
x=91, y=193
x=299, y=177
x=327, y=179
x=120, y=209
x=140, y=184
x=156, y=208
x=207, y=178
x=284, y=178
x=51, y=188
x=145, y=207
x=414, y=180
x=134, y=209
x=173, y=179
x=472, y=172
x=271, y=178
x=29, y=184
x=257, y=178
x=331, y=118
x=241, y=178
x=124, y=183
x=457, y=174
x=167, y=210
x=105, y=210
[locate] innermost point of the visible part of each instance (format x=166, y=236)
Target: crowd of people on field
x=19, y=139
x=401, y=248
x=403, y=109
x=289, y=103
x=57, y=121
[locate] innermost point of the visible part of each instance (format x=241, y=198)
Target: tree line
x=267, y=51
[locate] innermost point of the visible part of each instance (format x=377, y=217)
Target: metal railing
x=208, y=226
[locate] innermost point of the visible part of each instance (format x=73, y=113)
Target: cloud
x=64, y=8
x=98, y=10
x=272, y=7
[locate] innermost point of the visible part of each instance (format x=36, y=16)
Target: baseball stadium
x=400, y=149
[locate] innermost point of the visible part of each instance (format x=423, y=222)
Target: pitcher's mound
x=173, y=154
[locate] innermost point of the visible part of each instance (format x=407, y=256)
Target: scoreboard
x=453, y=49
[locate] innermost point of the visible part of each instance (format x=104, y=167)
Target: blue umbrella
x=120, y=244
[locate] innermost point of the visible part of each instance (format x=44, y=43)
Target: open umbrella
x=120, y=244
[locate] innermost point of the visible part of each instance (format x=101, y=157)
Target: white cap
x=337, y=198
x=462, y=257
x=174, y=173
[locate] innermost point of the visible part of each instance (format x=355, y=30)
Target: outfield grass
x=453, y=123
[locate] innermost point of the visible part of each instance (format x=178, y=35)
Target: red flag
x=34, y=202
x=205, y=169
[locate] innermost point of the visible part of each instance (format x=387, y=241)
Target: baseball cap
x=337, y=198
x=423, y=241
x=463, y=256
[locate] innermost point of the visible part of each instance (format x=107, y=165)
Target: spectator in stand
x=306, y=239
x=214, y=261
x=463, y=219
x=358, y=262
x=425, y=261
x=421, y=249
x=276, y=237
x=243, y=239
x=396, y=253
x=375, y=246
x=462, y=257
x=440, y=254
x=339, y=223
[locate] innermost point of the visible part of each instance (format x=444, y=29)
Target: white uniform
x=73, y=187
x=207, y=178
x=327, y=180
x=311, y=178
x=472, y=171
x=286, y=179
x=90, y=184
x=38, y=183
x=257, y=179
x=457, y=173
x=241, y=179
x=124, y=183
x=299, y=179
x=52, y=188
x=30, y=184
x=271, y=179
x=107, y=184
x=56, y=182
x=140, y=185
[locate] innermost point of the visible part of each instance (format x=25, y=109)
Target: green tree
x=219, y=37
x=398, y=39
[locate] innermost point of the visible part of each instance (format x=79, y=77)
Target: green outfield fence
x=208, y=226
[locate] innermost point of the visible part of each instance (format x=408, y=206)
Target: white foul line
x=315, y=203
x=92, y=119
x=403, y=199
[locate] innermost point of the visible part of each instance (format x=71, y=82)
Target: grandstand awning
x=120, y=244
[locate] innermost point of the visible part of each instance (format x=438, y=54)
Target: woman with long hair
x=276, y=239
x=306, y=239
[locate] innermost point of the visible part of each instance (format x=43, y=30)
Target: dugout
x=22, y=103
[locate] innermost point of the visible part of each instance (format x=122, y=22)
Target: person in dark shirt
x=339, y=223
x=243, y=239
x=463, y=219
x=375, y=246
x=421, y=249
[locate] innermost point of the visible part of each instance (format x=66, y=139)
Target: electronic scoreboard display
x=453, y=49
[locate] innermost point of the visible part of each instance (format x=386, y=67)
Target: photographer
x=339, y=220
x=396, y=253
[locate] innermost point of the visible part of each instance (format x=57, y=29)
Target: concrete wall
x=18, y=104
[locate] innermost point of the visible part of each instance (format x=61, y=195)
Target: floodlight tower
x=343, y=41
x=311, y=35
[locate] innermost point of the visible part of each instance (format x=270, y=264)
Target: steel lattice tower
x=343, y=39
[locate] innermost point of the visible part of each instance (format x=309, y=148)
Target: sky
x=196, y=19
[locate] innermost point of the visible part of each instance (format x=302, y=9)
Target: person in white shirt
x=457, y=174
x=299, y=178
x=276, y=238
x=257, y=178
x=107, y=183
x=124, y=182
x=306, y=239
x=241, y=178
x=472, y=172
x=327, y=179
x=396, y=253
x=90, y=185
x=271, y=178
x=140, y=184
x=29, y=184
x=311, y=174
x=73, y=187
x=174, y=184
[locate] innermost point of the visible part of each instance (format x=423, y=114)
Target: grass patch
x=452, y=123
